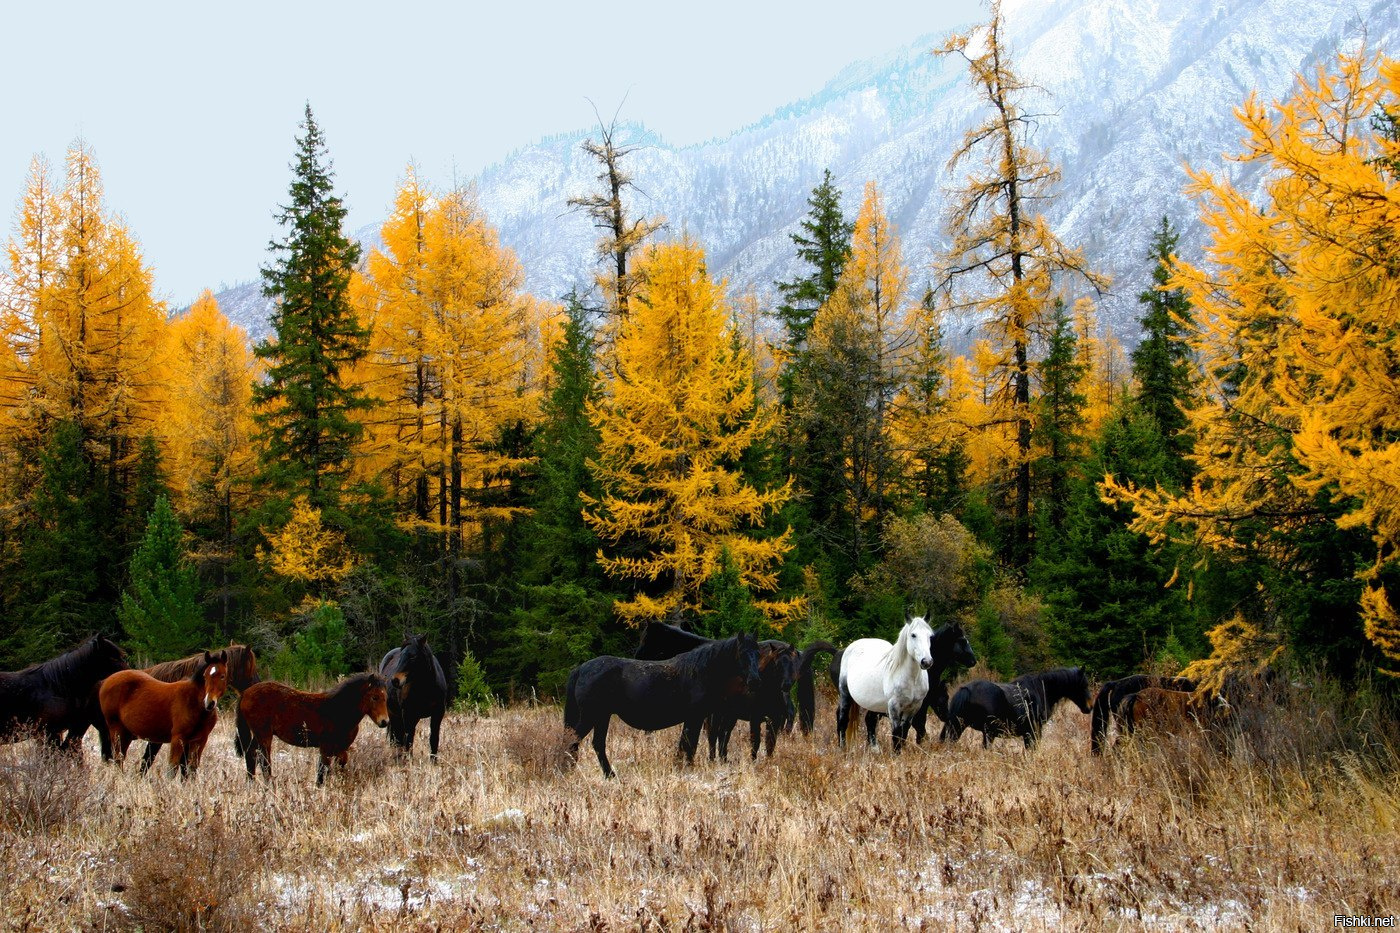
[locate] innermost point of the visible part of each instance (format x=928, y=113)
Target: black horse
x=950, y=649
x=1109, y=704
x=771, y=703
x=652, y=695
x=417, y=691
x=51, y=697
x=1021, y=707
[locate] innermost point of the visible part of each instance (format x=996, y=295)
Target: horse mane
x=71, y=665
x=351, y=687
x=896, y=654
x=696, y=660
x=1060, y=679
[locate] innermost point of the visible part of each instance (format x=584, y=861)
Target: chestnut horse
x=136, y=705
x=242, y=664
x=326, y=721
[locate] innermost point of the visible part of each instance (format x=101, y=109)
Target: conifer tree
x=674, y=424
x=306, y=406
x=1059, y=416
x=160, y=608
x=857, y=361
x=1162, y=363
x=622, y=233
x=1001, y=240
x=823, y=245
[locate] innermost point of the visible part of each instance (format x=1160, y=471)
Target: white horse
x=886, y=678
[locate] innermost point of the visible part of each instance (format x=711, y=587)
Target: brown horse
x=136, y=705
x=242, y=664
x=1169, y=711
x=326, y=721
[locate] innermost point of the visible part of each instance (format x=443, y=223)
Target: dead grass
x=1174, y=835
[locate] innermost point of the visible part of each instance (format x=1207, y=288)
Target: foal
x=137, y=706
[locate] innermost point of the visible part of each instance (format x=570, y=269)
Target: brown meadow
x=505, y=833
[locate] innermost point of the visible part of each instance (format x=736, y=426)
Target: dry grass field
x=1183, y=835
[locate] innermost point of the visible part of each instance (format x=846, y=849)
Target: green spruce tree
x=160, y=608
x=1162, y=361
x=1058, y=419
x=305, y=406
x=565, y=611
x=824, y=244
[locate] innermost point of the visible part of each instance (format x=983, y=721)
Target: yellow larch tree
x=675, y=422
x=32, y=256
x=99, y=359
x=1296, y=328
x=207, y=431
x=1001, y=243
x=455, y=362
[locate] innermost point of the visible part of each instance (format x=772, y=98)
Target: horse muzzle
x=210, y=703
x=926, y=663
x=382, y=723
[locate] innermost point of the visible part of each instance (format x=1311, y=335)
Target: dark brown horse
x=136, y=705
x=326, y=721
x=1171, y=711
x=1108, y=705
x=51, y=698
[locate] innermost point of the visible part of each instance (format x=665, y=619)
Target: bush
x=317, y=652
x=194, y=877
x=473, y=693
x=41, y=789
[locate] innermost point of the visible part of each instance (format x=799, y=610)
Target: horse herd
x=176, y=703
x=677, y=678
x=680, y=678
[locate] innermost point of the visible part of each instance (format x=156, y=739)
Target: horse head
x=243, y=666
x=963, y=655
x=916, y=640
x=1079, y=691
x=374, y=702
x=106, y=656
x=212, y=674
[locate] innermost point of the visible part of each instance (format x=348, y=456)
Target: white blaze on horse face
x=209, y=700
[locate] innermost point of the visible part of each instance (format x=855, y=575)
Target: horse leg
x=690, y=739
x=756, y=736
x=434, y=725
x=872, y=728
x=149, y=756
x=920, y=722
x=322, y=767
x=600, y=746
x=178, y=759
x=264, y=751
x=410, y=730
x=843, y=714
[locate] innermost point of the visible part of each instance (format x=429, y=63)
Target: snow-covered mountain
x=1135, y=90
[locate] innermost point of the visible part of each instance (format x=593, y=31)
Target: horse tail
x=1098, y=723
x=243, y=734
x=806, y=688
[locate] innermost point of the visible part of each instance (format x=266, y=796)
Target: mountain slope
x=1135, y=91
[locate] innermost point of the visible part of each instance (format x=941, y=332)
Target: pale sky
x=192, y=109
